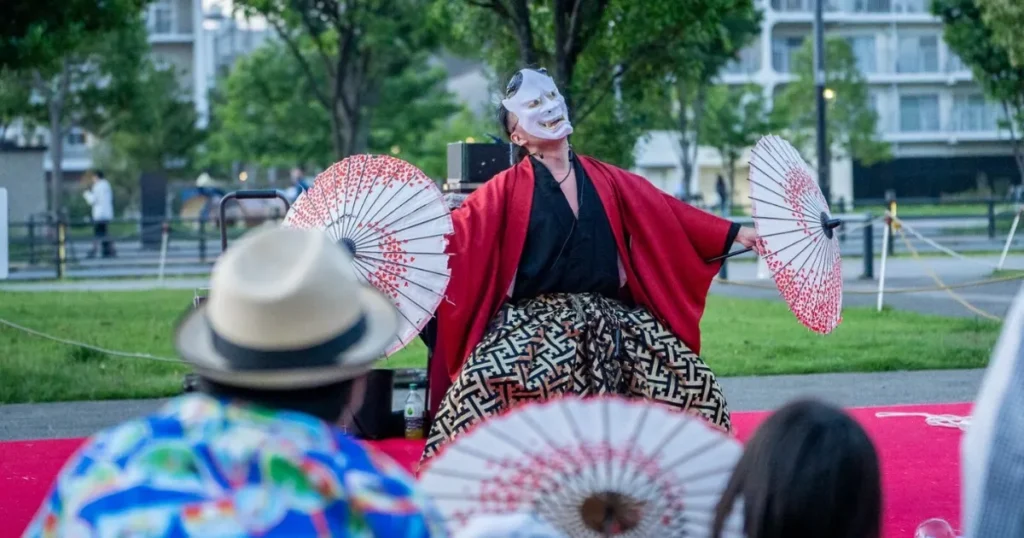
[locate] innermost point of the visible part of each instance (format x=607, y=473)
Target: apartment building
x=945, y=135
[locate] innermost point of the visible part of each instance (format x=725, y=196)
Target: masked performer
x=572, y=276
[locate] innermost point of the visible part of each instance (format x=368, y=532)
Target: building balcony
x=170, y=21
x=866, y=11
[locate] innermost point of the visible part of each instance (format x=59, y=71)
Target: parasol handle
x=828, y=225
x=729, y=255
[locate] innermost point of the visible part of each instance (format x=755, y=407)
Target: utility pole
x=819, y=90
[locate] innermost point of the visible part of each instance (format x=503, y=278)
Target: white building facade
x=929, y=108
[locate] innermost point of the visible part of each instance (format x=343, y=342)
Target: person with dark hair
x=810, y=471
x=571, y=276
x=282, y=348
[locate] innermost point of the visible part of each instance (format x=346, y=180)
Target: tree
x=852, y=123
x=346, y=50
x=155, y=132
x=976, y=44
x=1005, y=18
x=735, y=117
x=694, y=76
x=36, y=33
x=15, y=102
x=599, y=52
x=87, y=87
x=266, y=114
x=465, y=126
x=263, y=118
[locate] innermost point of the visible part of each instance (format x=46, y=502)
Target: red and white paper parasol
x=394, y=221
x=591, y=468
x=797, y=234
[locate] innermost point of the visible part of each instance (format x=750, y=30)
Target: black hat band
x=318, y=356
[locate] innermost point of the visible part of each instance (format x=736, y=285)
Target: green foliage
x=980, y=48
x=693, y=77
x=269, y=115
x=37, y=33
x=1006, y=18
x=266, y=114
x=735, y=117
x=15, y=101
x=155, y=132
x=412, y=104
x=593, y=50
x=430, y=154
x=852, y=123
x=346, y=50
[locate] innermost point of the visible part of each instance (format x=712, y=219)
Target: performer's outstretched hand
x=747, y=237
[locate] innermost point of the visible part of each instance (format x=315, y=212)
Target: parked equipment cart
x=199, y=297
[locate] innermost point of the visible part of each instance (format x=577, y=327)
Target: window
x=971, y=112
x=954, y=64
x=872, y=6
x=877, y=100
x=919, y=113
x=792, y=5
x=913, y=6
x=918, y=54
x=160, y=18
x=75, y=138
x=864, y=50
x=783, y=51
x=748, y=61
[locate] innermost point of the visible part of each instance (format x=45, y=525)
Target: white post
x=4, y=236
x=164, y=239
x=1009, y=239
x=881, y=274
x=762, y=268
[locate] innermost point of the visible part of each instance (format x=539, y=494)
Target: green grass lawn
x=741, y=337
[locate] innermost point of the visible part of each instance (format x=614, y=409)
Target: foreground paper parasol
x=393, y=220
x=591, y=468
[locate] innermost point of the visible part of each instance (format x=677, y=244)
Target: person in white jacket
x=100, y=196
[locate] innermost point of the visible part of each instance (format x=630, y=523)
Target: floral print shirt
x=203, y=466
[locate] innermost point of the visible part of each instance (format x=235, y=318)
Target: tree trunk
x=56, y=117
x=730, y=169
x=689, y=131
x=1018, y=152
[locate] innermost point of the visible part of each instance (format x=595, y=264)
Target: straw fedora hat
x=286, y=311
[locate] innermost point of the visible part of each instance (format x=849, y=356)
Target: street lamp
x=821, y=94
x=829, y=94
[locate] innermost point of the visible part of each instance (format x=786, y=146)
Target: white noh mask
x=540, y=107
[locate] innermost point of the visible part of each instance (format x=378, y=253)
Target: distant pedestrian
x=100, y=197
x=723, y=195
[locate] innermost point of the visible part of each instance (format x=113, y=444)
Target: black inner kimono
x=563, y=254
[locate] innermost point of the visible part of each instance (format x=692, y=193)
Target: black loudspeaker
x=375, y=420
x=471, y=165
x=153, y=191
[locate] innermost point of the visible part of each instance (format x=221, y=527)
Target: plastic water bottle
x=414, y=409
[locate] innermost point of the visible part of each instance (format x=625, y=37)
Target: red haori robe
x=662, y=242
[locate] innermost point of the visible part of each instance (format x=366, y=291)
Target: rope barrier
x=941, y=421
x=924, y=289
x=945, y=250
x=98, y=349
x=938, y=281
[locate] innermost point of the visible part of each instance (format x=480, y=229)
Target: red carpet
x=920, y=467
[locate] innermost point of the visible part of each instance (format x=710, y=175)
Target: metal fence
x=45, y=249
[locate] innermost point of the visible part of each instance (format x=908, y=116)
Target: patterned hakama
x=580, y=344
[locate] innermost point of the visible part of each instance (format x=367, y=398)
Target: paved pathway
x=78, y=419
